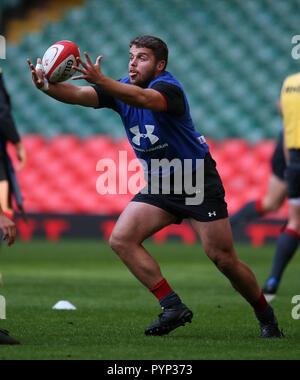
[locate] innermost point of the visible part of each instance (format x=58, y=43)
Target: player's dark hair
x=158, y=46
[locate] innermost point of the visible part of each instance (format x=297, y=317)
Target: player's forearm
x=64, y=92
x=127, y=93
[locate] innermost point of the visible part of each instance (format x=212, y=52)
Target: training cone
x=63, y=305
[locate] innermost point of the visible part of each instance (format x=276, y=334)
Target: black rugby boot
x=6, y=339
x=269, y=325
x=169, y=320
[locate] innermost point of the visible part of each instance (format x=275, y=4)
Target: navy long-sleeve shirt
x=8, y=130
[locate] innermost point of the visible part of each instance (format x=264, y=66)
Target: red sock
x=259, y=207
x=261, y=304
x=161, y=289
x=292, y=233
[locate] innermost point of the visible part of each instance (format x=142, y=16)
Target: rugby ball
x=59, y=59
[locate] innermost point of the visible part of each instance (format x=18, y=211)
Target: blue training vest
x=159, y=135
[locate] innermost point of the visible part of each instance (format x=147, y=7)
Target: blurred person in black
x=8, y=132
x=8, y=182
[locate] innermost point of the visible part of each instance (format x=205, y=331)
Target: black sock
x=266, y=316
x=286, y=247
x=170, y=300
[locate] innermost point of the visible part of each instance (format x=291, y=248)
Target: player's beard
x=144, y=79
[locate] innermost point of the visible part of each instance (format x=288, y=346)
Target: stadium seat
x=264, y=150
x=246, y=42
x=61, y=177
x=231, y=149
x=231, y=57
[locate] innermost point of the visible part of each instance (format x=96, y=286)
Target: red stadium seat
x=61, y=176
x=33, y=142
x=233, y=149
x=64, y=144
x=264, y=150
x=246, y=163
x=99, y=146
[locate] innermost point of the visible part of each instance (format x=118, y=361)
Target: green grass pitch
x=113, y=308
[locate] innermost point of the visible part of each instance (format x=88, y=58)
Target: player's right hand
x=9, y=229
x=37, y=73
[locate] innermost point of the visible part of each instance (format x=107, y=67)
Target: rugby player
x=8, y=132
x=275, y=195
x=277, y=190
x=156, y=116
x=288, y=241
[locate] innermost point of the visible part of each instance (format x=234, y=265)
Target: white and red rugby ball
x=59, y=59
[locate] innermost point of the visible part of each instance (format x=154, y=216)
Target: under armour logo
x=138, y=135
x=211, y=214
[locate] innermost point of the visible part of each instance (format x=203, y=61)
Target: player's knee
x=225, y=265
x=275, y=206
x=271, y=205
x=224, y=261
x=117, y=243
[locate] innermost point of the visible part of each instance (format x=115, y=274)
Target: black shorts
x=278, y=159
x=293, y=174
x=212, y=208
x=3, y=169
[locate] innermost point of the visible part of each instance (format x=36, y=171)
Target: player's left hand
x=90, y=72
x=37, y=73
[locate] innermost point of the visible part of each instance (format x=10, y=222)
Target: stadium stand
x=36, y=17
x=61, y=173
x=230, y=56
x=234, y=67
